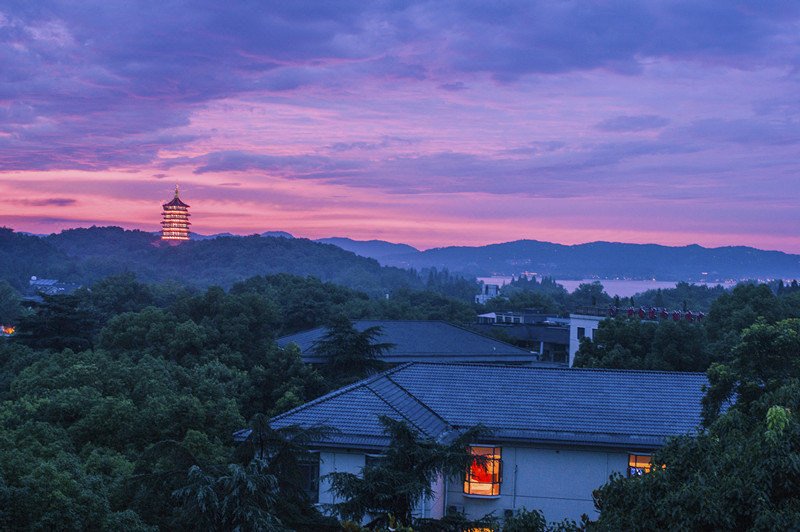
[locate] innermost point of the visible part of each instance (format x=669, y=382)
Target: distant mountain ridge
x=198, y=236
x=606, y=260
x=375, y=249
x=222, y=259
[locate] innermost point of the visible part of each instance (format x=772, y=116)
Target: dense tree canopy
x=118, y=402
x=682, y=345
x=742, y=471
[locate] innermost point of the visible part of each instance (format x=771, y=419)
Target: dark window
x=581, y=332
x=309, y=477
x=370, y=459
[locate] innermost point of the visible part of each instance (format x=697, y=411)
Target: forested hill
x=87, y=255
x=606, y=260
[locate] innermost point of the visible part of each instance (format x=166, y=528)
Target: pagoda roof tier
x=176, y=202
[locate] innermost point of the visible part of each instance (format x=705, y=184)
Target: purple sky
x=432, y=123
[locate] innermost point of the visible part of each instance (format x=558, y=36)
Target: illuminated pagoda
x=175, y=223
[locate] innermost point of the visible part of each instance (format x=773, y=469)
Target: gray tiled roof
x=419, y=341
x=618, y=408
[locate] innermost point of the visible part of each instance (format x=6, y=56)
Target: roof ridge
x=309, y=334
x=455, y=325
x=390, y=405
x=476, y=333
x=340, y=391
x=306, y=331
x=418, y=400
x=557, y=368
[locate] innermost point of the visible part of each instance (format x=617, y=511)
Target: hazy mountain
x=606, y=260
x=198, y=236
x=376, y=249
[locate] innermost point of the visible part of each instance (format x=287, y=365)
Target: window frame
x=309, y=465
x=494, y=468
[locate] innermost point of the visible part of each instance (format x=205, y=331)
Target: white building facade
x=581, y=326
x=554, y=434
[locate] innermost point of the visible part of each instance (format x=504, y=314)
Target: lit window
x=484, y=476
x=639, y=464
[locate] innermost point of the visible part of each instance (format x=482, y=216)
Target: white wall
x=590, y=323
x=337, y=462
x=353, y=462
x=559, y=482
x=556, y=481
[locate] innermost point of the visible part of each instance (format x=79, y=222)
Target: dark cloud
x=454, y=86
x=96, y=84
x=632, y=123
x=752, y=131
x=541, y=169
x=43, y=202
x=508, y=40
x=384, y=142
x=294, y=166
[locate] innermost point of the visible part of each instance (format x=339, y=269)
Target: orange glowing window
x=484, y=475
x=639, y=464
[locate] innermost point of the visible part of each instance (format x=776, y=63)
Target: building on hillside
x=49, y=287
x=421, y=341
x=488, y=291
x=545, y=334
x=556, y=434
x=175, y=220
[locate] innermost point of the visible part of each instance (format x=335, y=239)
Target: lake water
x=613, y=287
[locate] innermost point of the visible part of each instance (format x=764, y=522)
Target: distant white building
x=581, y=326
x=488, y=291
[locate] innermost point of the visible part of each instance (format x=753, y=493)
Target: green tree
x=618, y=343
x=241, y=498
x=285, y=452
x=120, y=293
x=9, y=304
x=60, y=322
x=589, y=294
x=350, y=354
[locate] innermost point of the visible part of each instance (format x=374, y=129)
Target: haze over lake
x=614, y=287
